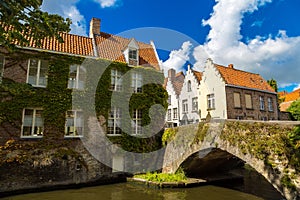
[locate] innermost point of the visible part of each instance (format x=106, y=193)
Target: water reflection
x=129, y=191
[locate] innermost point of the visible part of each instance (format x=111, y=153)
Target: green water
x=129, y=191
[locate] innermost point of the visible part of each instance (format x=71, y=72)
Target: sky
x=259, y=36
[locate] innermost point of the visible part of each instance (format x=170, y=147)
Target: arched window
x=189, y=86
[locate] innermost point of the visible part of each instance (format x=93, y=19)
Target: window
x=116, y=80
x=136, y=122
x=133, y=54
x=74, y=123
x=1, y=67
x=248, y=99
x=37, y=72
x=175, y=113
x=261, y=103
x=114, y=121
x=270, y=104
x=136, y=82
x=189, y=86
x=33, y=123
x=169, y=114
x=211, y=101
x=184, y=106
x=77, y=77
x=237, y=99
x=195, y=104
x=169, y=99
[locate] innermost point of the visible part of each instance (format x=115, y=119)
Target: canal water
x=254, y=187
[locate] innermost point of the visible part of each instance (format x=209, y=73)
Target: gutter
x=54, y=52
x=258, y=90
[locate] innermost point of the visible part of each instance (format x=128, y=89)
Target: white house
x=229, y=93
x=188, y=98
x=173, y=84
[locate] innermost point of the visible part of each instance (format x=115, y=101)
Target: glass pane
x=38, y=131
x=43, y=73
x=27, y=130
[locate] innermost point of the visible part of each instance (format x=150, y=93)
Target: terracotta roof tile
x=111, y=47
x=293, y=96
x=240, y=78
x=198, y=75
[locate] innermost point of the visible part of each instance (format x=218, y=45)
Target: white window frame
x=76, y=83
x=270, y=104
x=136, y=82
x=211, y=101
x=130, y=54
x=195, y=104
x=37, y=84
x=114, y=122
x=261, y=103
x=137, y=122
x=185, y=107
x=116, y=80
x=169, y=114
x=33, y=123
x=77, y=125
x=2, y=64
x=175, y=113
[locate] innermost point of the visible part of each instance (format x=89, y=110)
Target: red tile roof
x=288, y=99
x=73, y=44
x=198, y=75
x=240, y=78
x=111, y=47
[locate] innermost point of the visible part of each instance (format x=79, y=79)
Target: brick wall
x=255, y=113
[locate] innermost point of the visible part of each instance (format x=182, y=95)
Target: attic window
x=133, y=54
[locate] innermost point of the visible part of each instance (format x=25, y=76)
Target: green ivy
x=56, y=98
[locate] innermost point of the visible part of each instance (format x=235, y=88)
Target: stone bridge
x=262, y=145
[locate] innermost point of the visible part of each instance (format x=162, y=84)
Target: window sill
x=70, y=137
x=114, y=135
x=37, y=86
x=249, y=109
x=31, y=137
x=209, y=109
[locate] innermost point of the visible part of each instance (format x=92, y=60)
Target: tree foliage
x=22, y=20
x=294, y=109
x=273, y=83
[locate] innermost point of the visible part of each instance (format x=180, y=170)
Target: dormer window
x=133, y=54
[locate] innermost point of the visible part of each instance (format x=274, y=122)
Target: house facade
x=54, y=70
x=173, y=84
x=188, y=98
x=229, y=93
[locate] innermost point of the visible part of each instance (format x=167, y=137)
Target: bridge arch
x=190, y=140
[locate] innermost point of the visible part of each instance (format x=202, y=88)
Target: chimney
x=171, y=74
x=230, y=66
x=94, y=27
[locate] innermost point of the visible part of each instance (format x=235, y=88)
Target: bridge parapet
x=272, y=149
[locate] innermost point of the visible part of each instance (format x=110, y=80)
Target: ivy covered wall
x=56, y=98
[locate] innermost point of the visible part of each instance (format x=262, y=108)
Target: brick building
x=38, y=68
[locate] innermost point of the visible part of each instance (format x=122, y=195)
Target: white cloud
x=178, y=58
x=297, y=87
x=107, y=3
x=67, y=9
x=276, y=57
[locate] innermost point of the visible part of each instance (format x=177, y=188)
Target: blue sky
x=261, y=36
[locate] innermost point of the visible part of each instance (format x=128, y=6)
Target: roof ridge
x=236, y=69
x=122, y=37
